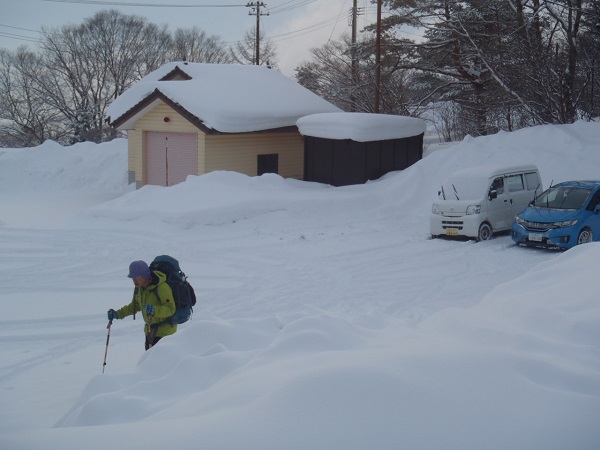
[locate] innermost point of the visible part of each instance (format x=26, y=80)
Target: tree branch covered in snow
x=504, y=65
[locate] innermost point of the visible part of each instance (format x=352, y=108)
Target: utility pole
x=354, y=62
x=378, y=58
x=256, y=12
x=354, y=13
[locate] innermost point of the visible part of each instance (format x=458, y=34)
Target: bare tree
x=26, y=119
x=63, y=90
x=244, y=51
x=193, y=44
x=128, y=46
x=332, y=75
x=91, y=64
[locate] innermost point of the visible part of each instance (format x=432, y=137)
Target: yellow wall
x=237, y=152
x=134, y=156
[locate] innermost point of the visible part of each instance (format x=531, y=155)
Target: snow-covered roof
x=224, y=97
x=360, y=127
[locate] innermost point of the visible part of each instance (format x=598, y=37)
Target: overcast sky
x=294, y=26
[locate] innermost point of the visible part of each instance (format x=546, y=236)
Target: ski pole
x=107, y=339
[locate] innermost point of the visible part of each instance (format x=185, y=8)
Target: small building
x=352, y=148
x=192, y=118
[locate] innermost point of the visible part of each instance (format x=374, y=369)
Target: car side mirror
x=493, y=194
x=597, y=209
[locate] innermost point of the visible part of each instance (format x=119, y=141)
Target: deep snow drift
x=326, y=318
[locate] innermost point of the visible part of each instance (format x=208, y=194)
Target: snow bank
x=43, y=185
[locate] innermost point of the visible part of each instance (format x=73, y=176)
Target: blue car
x=565, y=215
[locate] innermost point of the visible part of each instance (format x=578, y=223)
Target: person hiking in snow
x=154, y=298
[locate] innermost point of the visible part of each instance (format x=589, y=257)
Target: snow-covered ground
x=326, y=317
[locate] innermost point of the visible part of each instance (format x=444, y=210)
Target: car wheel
x=485, y=232
x=585, y=236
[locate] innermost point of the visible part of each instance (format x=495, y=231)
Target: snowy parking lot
x=326, y=317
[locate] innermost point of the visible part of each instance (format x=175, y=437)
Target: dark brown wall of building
x=344, y=162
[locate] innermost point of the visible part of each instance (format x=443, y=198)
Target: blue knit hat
x=139, y=269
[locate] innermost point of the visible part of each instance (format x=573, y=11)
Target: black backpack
x=183, y=292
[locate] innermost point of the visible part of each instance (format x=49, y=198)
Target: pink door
x=170, y=157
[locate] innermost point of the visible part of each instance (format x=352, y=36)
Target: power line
x=299, y=32
x=145, y=5
x=283, y=8
x=306, y=30
x=18, y=37
x=312, y=28
x=287, y=6
x=18, y=28
x=338, y=18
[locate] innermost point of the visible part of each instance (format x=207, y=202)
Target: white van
x=480, y=201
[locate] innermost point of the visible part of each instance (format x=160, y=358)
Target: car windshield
x=562, y=197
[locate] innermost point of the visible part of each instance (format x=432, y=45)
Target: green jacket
x=164, y=305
